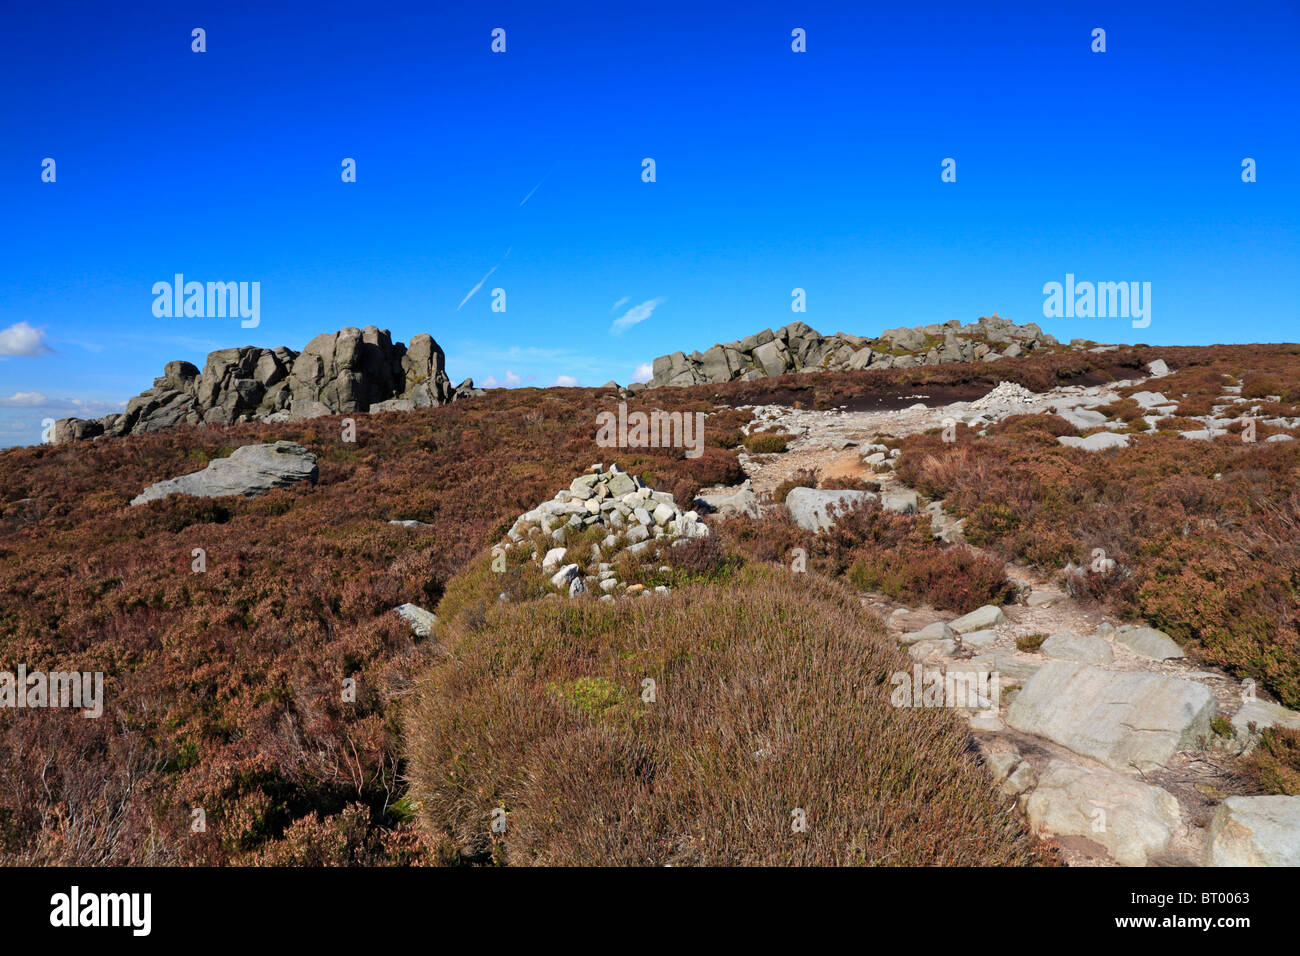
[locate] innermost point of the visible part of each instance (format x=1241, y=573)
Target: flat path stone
x=1262, y=714
x=1126, y=720
x=980, y=619
x=1255, y=831
x=1101, y=441
x=1132, y=820
x=1149, y=642
x=1068, y=646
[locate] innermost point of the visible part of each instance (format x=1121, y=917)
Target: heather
x=771, y=696
x=879, y=551
x=224, y=689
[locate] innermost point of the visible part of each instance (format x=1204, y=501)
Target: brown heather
x=223, y=689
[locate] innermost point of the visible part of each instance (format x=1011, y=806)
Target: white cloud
x=24, y=400
x=638, y=313
x=82, y=408
x=620, y=303
x=510, y=380
x=644, y=372
x=566, y=381
x=21, y=339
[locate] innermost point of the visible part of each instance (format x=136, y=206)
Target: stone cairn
x=637, y=520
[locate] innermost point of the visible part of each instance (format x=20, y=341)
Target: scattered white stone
x=979, y=619
x=562, y=577
x=421, y=621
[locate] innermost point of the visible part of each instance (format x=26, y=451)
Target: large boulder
x=1132, y=820
x=811, y=508
x=347, y=370
x=1128, y=721
x=773, y=358
x=250, y=470
x=740, y=500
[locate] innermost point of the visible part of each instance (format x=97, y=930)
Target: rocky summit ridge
x=798, y=347
x=352, y=370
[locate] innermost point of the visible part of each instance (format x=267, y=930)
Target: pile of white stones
x=1004, y=395
x=634, y=516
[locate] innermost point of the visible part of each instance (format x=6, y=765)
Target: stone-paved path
x=1100, y=735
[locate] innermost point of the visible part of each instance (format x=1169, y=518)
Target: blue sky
x=774, y=170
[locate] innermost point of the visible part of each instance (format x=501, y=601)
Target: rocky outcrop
x=250, y=470
x=352, y=370
x=799, y=348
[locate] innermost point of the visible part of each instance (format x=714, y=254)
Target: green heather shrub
x=1030, y=643
x=771, y=694
x=765, y=443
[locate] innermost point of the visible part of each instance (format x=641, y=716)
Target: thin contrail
x=470, y=295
